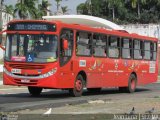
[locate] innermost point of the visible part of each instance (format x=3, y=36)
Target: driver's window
x=66, y=54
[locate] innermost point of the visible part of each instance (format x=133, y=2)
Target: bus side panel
x=149, y=72
x=123, y=72
x=90, y=67
x=110, y=76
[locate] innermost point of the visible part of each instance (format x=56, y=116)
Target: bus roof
x=85, y=20
x=121, y=33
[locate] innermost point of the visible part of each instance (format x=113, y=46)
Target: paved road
x=13, y=99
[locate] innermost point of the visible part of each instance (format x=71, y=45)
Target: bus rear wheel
x=132, y=83
x=34, y=91
x=78, y=87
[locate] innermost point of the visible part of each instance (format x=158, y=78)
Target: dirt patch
x=120, y=106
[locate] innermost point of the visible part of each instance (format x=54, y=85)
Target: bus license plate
x=25, y=81
x=16, y=71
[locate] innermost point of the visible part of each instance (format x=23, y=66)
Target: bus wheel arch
x=132, y=82
x=79, y=84
x=84, y=75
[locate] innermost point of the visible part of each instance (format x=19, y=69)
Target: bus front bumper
x=45, y=81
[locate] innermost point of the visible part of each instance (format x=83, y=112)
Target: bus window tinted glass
x=99, y=48
x=138, y=49
x=83, y=44
x=126, y=48
x=31, y=48
x=113, y=48
x=147, y=52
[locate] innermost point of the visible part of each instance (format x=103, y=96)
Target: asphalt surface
x=14, y=99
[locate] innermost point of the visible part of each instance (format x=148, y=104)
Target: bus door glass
x=66, y=37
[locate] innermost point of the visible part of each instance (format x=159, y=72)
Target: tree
x=65, y=10
x=82, y=9
x=113, y=4
x=123, y=11
x=9, y=9
x=137, y=3
x=43, y=9
x=1, y=6
x=58, y=4
x=26, y=8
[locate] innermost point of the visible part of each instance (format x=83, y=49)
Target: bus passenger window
x=83, y=44
x=138, y=49
x=154, y=50
x=126, y=48
x=114, y=47
x=99, y=48
x=147, y=50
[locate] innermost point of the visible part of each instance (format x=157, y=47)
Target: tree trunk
x=1, y=22
x=139, y=14
x=113, y=14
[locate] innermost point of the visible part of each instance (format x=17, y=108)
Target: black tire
x=94, y=90
x=132, y=83
x=35, y=91
x=131, y=88
x=78, y=87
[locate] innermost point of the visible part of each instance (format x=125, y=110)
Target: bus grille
x=32, y=75
x=24, y=66
x=32, y=82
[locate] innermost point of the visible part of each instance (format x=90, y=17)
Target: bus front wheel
x=78, y=87
x=35, y=91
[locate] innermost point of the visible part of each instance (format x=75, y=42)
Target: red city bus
x=57, y=55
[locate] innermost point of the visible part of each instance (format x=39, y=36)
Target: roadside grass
x=1, y=75
x=156, y=96
x=1, y=61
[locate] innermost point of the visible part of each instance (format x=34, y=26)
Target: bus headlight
x=49, y=73
x=5, y=71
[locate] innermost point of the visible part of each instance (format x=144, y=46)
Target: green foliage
x=65, y=10
x=9, y=9
x=42, y=9
x=123, y=11
x=25, y=8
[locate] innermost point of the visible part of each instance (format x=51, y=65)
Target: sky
x=72, y=4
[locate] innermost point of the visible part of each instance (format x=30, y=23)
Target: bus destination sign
x=31, y=27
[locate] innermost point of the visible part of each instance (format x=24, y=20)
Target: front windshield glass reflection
x=31, y=48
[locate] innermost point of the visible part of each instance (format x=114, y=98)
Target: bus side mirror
x=65, y=44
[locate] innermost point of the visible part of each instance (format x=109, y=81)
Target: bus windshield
x=31, y=48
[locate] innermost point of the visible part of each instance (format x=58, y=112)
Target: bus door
x=66, y=51
x=84, y=57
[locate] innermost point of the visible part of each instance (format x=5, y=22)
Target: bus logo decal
x=82, y=63
x=30, y=57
